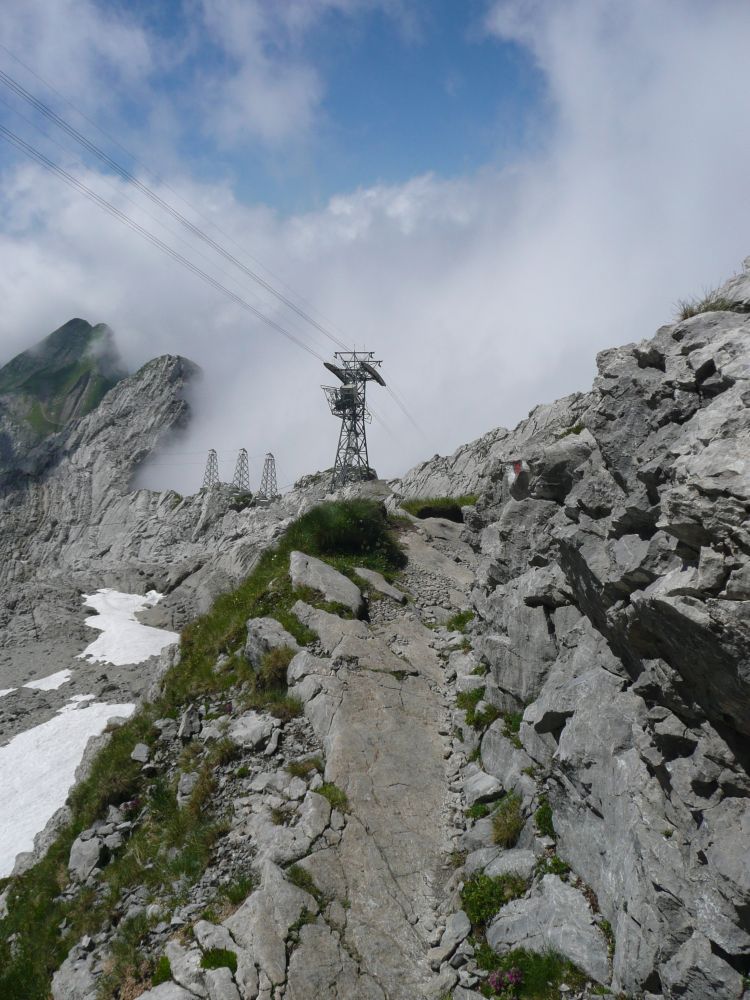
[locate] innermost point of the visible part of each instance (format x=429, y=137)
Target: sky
x=485, y=193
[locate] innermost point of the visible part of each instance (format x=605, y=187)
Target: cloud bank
x=483, y=295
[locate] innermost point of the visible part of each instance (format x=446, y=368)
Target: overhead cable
x=72, y=181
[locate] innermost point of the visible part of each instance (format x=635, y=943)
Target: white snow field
x=123, y=640
x=51, y=682
x=37, y=769
x=4, y=691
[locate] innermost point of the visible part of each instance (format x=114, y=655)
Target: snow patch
x=37, y=769
x=51, y=682
x=123, y=640
x=4, y=691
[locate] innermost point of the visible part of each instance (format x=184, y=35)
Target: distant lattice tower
x=347, y=402
x=241, y=479
x=268, y=489
x=211, y=475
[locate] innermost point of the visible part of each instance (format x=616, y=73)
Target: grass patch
x=468, y=701
x=219, y=958
x=446, y=507
x=575, y=429
x=304, y=768
x=541, y=974
x=483, y=896
x=478, y=811
x=335, y=795
x=162, y=972
x=554, y=865
x=710, y=301
x=460, y=621
x=170, y=847
x=512, y=728
x=272, y=669
x=239, y=890
x=507, y=821
x=543, y=818
x=303, y=880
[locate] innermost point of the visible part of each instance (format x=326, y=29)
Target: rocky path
x=378, y=705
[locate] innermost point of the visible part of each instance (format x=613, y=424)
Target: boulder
x=263, y=635
x=252, y=730
x=86, y=853
x=307, y=571
x=554, y=917
x=378, y=582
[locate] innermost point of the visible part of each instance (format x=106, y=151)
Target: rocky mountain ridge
x=579, y=747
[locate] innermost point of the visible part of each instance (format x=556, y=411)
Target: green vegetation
x=542, y=975
x=468, y=701
x=507, y=820
x=478, y=811
x=219, y=958
x=460, y=621
x=239, y=890
x=303, y=768
x=606, y=928
x=63, y=377
x=512, y=728
x=300, y=877
x=171, y=847
x=553, y=865
x=543, y=818
x=162, y=972
x=575, y=429
x=483, y=896
x=335, y=795
x=447, y=507
x=710, y=301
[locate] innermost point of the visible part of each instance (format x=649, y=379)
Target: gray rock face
x=307, y=571
x=554, y=918
x=613, y=611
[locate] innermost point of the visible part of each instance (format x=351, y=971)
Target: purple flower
x=505, y=980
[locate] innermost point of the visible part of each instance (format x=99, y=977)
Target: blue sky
x=484, y=192
x=401, y=93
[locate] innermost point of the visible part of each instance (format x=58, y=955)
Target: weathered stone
x=263, y=635
x=166, y=991
x=220, y=985
x=190, y=724
x=517, y=861
x=481, y=787
x=185, y=964
x=694, y=972
x=378, y=582
x=252, y=730
x=140, y=753
x=86, y=854
x=556, y=918
x=185, y=785
x=307, y=571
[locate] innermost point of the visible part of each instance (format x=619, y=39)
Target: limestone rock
x=264, y=634
x=307, y=571
x=86, y=854
x=252, y=729
x=379, y=583
x=556, y=918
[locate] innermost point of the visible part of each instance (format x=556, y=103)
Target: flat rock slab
x=517, y=861
x=378, y=582
x=307, y=571
x=557, y=918
x=481, y=787
x=263, y=635
x=330, y=628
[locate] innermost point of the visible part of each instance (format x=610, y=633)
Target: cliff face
x=613, y=602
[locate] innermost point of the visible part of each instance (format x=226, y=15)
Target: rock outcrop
x=614, y=614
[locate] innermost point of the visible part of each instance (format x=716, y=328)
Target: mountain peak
x=61, y=378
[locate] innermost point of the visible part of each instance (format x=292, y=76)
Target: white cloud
x=484, y=295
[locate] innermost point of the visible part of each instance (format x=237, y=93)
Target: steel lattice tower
x=211, y=475
x=348, y=402
x=241, y=479
x=268, y=489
